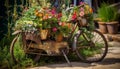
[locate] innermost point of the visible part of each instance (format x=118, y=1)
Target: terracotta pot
x=59, y=37
x=112, y=27
x=103, y=27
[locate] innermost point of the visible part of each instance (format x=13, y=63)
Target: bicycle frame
x=50, y=47
x=73, y=36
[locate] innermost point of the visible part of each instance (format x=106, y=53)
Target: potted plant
x=102, y=18
x=112, y=20
x=108, y=17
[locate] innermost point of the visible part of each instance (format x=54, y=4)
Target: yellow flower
x=87, y=9
x=41, y=19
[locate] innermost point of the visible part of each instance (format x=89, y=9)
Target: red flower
x=74, y=16
x=59, y=15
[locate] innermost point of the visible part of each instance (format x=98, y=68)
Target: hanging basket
x=83, y=22
x=43, y=34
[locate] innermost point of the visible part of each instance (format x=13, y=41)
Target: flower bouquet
x=47, y=18
x=83, y=13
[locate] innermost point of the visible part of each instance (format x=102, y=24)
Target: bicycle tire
x=17, y=51
x=86, y=54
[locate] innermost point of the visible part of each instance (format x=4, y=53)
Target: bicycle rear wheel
x=18, y=50
x=91, y=47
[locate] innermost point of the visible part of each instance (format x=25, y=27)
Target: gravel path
x=111, y=61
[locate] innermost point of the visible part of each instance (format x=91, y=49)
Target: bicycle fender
x=17, y=32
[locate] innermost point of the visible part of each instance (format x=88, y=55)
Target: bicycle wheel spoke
x=94, y=50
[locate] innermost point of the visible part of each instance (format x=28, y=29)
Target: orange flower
x=69, y=25
x=63, y=23
x=36, y=12
x=40, y=14
x=91, y=11
x=46, y=16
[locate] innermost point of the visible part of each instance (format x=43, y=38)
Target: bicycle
x=89, y=47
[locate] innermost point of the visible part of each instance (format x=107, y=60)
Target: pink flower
x=54, y=29
x=82, y=13
x=80, y=3
x=60, y=23
x=81, y=9
x=53, y=11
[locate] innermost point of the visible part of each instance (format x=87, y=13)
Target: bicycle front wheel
x=91, y=47
x=18, y=50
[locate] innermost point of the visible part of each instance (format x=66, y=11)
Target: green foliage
x=88, y=51
x=49, y=23
x=107, y=13
x=65, y=30
x=5, y=56
x=28, y=20
x=6, y=60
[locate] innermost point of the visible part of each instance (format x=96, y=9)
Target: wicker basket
x=43, y=34
x=29, y=36
x=83, y=22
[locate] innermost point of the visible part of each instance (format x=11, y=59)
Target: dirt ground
x=111, y=61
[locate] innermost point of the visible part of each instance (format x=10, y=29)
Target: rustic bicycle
x=90, y=46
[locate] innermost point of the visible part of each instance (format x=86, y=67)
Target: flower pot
x=103, y=27
x=112, y=27
x=43, y=34
x=59, y=37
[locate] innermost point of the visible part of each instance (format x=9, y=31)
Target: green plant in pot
x=108, y=18
x=112, y=20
